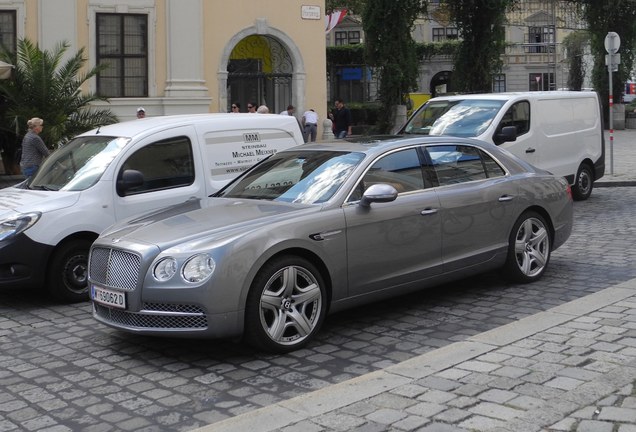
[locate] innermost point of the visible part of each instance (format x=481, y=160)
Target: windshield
x=460, y=118
x=79, y=164
x=305, y=177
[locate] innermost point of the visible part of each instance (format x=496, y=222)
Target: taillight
x=569, y=191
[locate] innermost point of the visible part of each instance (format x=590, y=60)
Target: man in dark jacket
x=341, y=118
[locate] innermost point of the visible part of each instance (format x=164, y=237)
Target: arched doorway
x=441, y=83
x=261, y=70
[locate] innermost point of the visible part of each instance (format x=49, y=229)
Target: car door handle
x=530, y=150
x=505, y=198
x=428, y=211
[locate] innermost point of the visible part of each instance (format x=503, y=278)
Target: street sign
x=615, y=59
x=612, y=42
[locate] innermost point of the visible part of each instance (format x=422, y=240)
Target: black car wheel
x=583, y=183
x=529, y=248
x=286, y=305
x=68, y=271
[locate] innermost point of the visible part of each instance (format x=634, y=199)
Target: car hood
x=14, y=199
x=197, y=220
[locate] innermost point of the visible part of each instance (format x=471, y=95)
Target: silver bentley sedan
x=323, y=227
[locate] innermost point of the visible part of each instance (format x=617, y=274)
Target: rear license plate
x=108, y=297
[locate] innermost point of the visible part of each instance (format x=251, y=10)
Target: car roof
x=222, y=121
x=516, y=95
x=375, y=144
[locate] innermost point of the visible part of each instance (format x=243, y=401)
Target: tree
x=481, y=29
x=603, y=17
x=352, y=6
x=42, y=86
x=390, y=47
x=575, y=44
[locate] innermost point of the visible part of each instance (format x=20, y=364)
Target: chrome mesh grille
x=181, y=308
x=150, y=321
x=114, y=268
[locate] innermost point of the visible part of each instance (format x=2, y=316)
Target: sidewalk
x=620, y=154
x=571, y=368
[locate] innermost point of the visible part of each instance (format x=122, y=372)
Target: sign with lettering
x=310, y=12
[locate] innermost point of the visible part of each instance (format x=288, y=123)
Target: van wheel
x=286, y=305
x=68, y=271
x=583, y=183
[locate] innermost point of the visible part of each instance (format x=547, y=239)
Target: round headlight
x=165, y=269
x=198, y=268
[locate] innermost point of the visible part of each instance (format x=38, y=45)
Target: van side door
x=171, y=169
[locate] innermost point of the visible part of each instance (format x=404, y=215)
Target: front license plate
x=108, y=297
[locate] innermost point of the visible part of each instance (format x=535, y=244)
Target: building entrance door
x=260, y=70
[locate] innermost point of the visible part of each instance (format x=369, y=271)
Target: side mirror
x=508, y=133
x=378, y=193
x=129, y=179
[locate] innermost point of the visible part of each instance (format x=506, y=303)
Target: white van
x=559, y=131
x=47, y=224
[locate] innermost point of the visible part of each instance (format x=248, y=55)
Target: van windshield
x=460, y=118
x=79, y=164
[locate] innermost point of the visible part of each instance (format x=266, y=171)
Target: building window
x=541, y=81
x=8, y=31
x=122, y=44
x=444, y=33
x=540, y=38
x=499, y=83
x=354, y=37
x=347, y=37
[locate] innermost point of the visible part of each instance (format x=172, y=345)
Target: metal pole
x=610, y=68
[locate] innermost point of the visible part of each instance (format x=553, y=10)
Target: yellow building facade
x=186, y=56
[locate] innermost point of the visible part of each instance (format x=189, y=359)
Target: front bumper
x=23, y=262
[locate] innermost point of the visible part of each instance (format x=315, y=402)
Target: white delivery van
x=47, y=224
x=559, y=131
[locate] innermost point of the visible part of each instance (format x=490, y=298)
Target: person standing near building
x=251, y=107
x=33, y=148
x=341, y=118
x=141, y=112
x=236, y=108
x=289, y=111
x=310, y=125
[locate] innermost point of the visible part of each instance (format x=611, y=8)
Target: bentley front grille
x=114, y=268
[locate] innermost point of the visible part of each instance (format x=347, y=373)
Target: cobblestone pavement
x=62, y=371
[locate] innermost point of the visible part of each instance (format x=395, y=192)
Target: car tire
x=68, y=271
x=286, y=305
x=583, y=183
x=529, y=248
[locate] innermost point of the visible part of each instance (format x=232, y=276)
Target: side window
x=164, y=164
x=455, y=164
x=517, y=115
x=493, y=169
x=401, y=169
